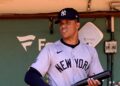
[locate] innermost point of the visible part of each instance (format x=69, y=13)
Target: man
x=66, y=61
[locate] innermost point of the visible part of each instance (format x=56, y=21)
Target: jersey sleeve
x=42, y=62
x=95, y=65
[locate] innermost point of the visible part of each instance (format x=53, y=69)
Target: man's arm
x=34, y=78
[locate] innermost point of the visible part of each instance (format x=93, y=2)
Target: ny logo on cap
x=63, y=12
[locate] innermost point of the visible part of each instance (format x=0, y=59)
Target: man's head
x=68, y=20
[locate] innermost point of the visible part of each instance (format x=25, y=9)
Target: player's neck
x=71, y=41
x=70, y=45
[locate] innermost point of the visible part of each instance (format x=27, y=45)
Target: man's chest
x=79, y=59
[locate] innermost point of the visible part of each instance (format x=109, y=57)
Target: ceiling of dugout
x=48, y=6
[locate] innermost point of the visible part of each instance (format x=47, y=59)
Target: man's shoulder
x=90, y=48
x=52, y=44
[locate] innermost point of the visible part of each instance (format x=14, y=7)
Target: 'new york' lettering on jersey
x=65, y=65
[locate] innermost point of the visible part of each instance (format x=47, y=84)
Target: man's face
x=69, y=28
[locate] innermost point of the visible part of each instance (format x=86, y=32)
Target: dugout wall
x=16, y=57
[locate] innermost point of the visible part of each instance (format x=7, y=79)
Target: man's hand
x=92, y=82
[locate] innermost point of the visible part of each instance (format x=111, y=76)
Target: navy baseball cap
x=67, y=13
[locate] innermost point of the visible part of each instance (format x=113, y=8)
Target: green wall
x=14, y=60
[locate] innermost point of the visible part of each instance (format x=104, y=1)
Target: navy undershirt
x=34, y=78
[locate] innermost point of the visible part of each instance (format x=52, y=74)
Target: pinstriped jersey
x=65, y=65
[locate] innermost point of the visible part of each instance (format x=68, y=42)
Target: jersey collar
x=72, y=46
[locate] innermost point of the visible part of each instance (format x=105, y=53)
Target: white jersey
x=65, y=65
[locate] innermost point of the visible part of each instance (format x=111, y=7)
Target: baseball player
x=66, y=61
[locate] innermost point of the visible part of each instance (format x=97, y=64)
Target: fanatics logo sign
x=27, y=40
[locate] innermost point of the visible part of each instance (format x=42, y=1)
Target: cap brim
x=58, y=20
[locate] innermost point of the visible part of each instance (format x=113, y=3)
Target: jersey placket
x=73, y=56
